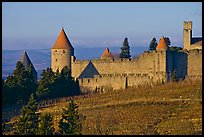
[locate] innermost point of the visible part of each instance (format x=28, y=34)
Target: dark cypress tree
x=5, y=93
x=20, y=84
x=54, y=85
x=168, y=42
x=45, y=84
x=125, y=49
x=153, y=44
x=174, y=48
x=46, y=125
x=68, y=82
x=71, y=121
x=27, y=124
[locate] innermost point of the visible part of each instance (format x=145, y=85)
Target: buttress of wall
x=59, y=59
x=195, y=63
x=78, y=66
x=180, y=64
x=145, y=63
x=177, y=61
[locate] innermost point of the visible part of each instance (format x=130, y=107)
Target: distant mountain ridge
x=41, y=58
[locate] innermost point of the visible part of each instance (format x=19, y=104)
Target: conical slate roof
x=62, y=42
x=89, y=71
x=107, y=54
x=162, y=44
x=26, y=62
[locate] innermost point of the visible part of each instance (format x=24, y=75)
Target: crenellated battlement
x=195, y=51
x=120, y=81
x=121, y=60
x=80, y=61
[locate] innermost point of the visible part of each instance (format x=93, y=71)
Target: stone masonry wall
x=59, y=59
x=194, y=64
x=118, y=81
x=118, y=74
x=146, y=63
x=78, y=66
x=148, y=68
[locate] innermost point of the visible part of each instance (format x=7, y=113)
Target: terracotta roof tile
x=106, y=54
x=162, y=44
x=62, y=41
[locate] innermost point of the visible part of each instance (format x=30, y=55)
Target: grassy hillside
x=172, y=108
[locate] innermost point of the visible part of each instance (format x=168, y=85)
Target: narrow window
x=63, y=51
x=55, y=50
x=56, y=60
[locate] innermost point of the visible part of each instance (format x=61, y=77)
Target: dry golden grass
x=171, y=108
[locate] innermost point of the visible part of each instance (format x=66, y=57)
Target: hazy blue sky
x=29, y=25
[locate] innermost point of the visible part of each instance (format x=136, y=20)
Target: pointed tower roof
x=62, y=41
x=162, y=44
x=107, y=54
x=26, y=62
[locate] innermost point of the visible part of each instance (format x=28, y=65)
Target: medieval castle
x=149, y=68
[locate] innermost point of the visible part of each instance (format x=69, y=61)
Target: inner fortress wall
x=148, y=68
x=78, y=66
x=152, y=62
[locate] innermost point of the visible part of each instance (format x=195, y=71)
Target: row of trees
x=153, y=45
x=32, y=122
x=125, y=49
x=54, y=85
x=18, y=86
x=21, y=84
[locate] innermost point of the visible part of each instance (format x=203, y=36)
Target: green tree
x=46, y=125
x=20, y=84
x=153, y=44
x=125, y=49
x=55, y=84
x=71, y=121
x=174, y=48
x=168, y=42
x=45, y=84
x=27, y=124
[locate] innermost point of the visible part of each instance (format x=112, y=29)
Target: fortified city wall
x=148, y=68
x=153, y=63
x=119, y=81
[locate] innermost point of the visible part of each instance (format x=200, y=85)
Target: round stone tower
x=61, y=52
